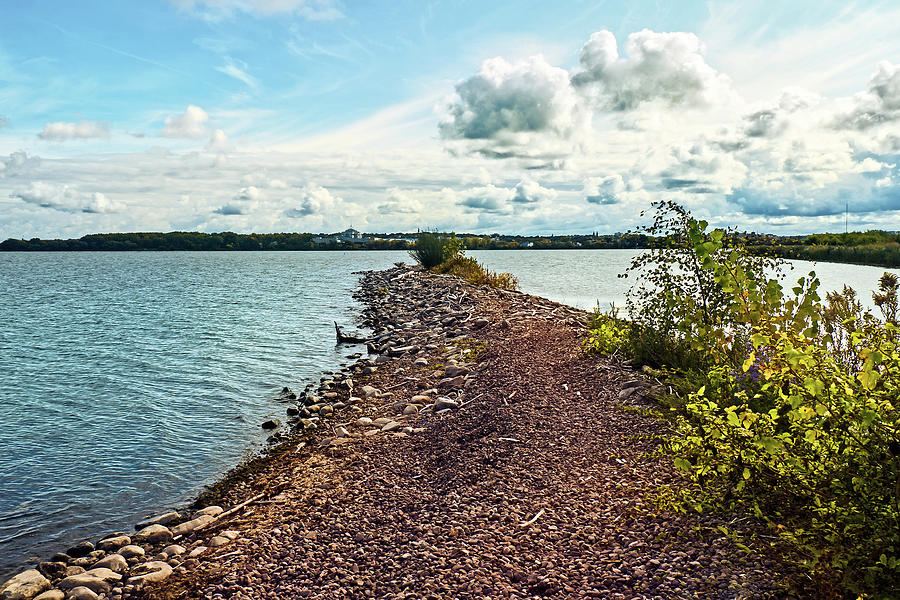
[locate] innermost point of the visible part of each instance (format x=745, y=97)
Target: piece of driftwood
x=343, y=338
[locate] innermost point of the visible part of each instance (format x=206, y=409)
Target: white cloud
x=529, y=191
x=315, y=200
x=239, y=72
x=604, y=190
x=311, y=9
x=666, y=67
x=190, y=124
x=879, y=104
x=18, y=163
x=401, y=202
x=219, y=142
x=524, y=109
x=65, y=198
x=61, y=130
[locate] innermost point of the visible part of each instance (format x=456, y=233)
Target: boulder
x=131, y=551
x=271, y=424
x=189, y=526
x=150, y=572
x=51, y=595
x=24, y=586
x=95, y=584
x=113, y=562
x=213, y=511
x=80, y=550
x=81, y=593
x=52, y=569
x=153, y=534
x=163, y=519
x=114, y=542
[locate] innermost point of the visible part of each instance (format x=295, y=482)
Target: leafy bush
x=793, y=416
x=431, y=249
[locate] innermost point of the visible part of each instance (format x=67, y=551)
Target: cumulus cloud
x=878, y=105
x=18, y=163
x=83, y=130
x=190, y=124
x=604, y=190
x=65, y=198
x=488, y=198
x=244, y=202
x=315, y=200
x=527, y=108
x=667, y=67
x=311, y=9
x=401, y=202
x=219, y=142
x=529, y=191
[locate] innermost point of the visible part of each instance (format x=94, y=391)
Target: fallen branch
x=228, y=512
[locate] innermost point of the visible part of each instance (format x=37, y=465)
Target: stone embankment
x=474, y=452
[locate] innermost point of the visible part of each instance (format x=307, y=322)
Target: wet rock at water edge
x=154, y=534
x=163, y=519
x=80, y=550
x=271, y=424
x=213, y=511
x=114, y=542
x=24, y=586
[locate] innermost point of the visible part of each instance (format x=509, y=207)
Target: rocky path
x=481, y=455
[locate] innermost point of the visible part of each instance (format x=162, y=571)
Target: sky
x=519, y=117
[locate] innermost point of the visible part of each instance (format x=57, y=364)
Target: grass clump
x=445, y=254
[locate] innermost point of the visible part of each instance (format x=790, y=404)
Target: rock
x=292, y=411
x=326, y=410
x=369, y=391
x=114, y=543
x=480, y=323
x=73, y=570
x=443, y=403
x=363, y=422
x=107, y=575
x=153, y=534
x=197, y=551
x=52, y=569
x=173, y=550
x=391, y=426
x=61, y=557
x=150, y=572
x=24, y=586
x=217, y=541
x=213, y=511
x=341, y=432
x=452, y=382
x=163, y=519
x=189, y=526
x=231, y=534
x=84, y=561
x=113, y=562
x=381, y=359
x=410, y=409
x=454, y=371
x=51, y=595
x=271, y=424
x=421, y=362
x=81, y=593
x=95, y=584
x=80, y=550
x=131, y=551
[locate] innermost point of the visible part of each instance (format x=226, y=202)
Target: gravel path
x=539, y=485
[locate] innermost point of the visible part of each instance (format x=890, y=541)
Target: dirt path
x=539, y=485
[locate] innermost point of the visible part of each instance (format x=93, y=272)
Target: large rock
x=107, y=575
x=114, y=542
x=52, y=569
x=51, y=595
x=189, y=526
x=150, y=572
x=95, y=584
x=131, y=551
x=82, y=593
x=163, y=519
x=80, y=550
x=24, y=586
x=444, y=404
x=153, y=534
x=113, y=562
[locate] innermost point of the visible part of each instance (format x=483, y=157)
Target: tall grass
x=445, y=254
x=431, y=249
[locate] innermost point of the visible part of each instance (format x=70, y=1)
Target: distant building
x=350, y=235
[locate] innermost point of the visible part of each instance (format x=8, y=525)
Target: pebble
x=410, y=409
x=173, y=550
x=217, y=541
x=391, y=426
x=363, y=422
x=443, y=403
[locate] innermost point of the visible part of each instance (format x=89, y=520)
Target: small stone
x=197, y=551
x=173, y=550
x=410, y=409
x=369, y=391
x=420, y=399
x=81, y=593
x=51, y=595
x=454, y=383
x=363, y=422
x=391, y=426
x=113, y=562
x=150, y=572
x=217, y=541
x=114, y=543
x=271, y=424
x=153, y=534
x=371, y=432
x=454, y=371
x=24, y=586
x=213, y=511
x=443, y=403
x=163, y=519
x=80, y=550
x=421, y=362
x=326, y=410
x=95, y=584
x=131, y=551
x=341, y=432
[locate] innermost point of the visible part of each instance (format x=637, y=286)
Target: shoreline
x=428, y=375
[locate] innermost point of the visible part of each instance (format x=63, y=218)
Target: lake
x=128, y=381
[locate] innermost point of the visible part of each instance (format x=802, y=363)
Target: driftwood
x=342, y=338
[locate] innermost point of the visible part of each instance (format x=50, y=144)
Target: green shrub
x=466, y=267
x=431, y=249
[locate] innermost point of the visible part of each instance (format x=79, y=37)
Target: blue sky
x=521, y=117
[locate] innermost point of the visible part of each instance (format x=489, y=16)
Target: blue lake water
x=130, y=380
